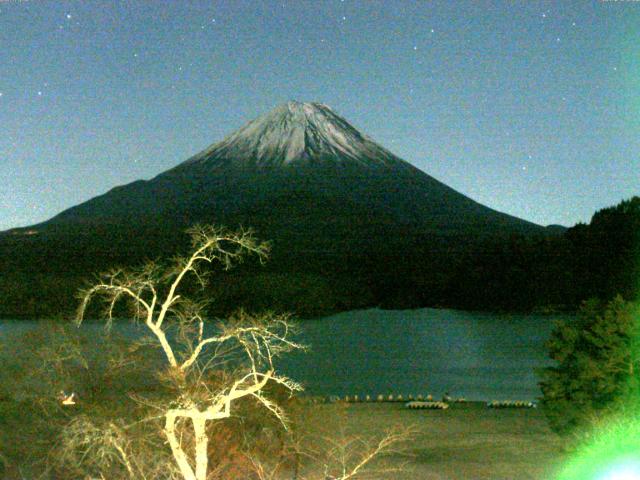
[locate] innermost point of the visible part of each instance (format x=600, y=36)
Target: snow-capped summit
x=294, y=133
x=299, y=171
x=342, y=212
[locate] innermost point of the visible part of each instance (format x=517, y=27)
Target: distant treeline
x=516, y=273
x=600, y=260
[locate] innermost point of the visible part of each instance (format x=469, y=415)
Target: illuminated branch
x=154, y=296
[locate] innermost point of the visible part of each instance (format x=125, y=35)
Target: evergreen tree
x=598, y=362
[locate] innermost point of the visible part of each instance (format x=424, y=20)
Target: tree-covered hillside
x=510, y=272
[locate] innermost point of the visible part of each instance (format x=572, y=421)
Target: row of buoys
x=418, y=399
x=378, y=398
x=390, y=398
x=428, y=405
x=510, y=404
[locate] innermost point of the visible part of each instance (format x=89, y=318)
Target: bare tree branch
x=154, y=295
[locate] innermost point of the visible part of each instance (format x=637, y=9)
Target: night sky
x=531, y=108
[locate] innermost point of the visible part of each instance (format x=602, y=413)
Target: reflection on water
x=473, y=355
x=370, y=352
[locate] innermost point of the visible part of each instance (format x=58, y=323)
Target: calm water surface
x=473, y=355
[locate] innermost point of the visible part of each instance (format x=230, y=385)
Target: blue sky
x=531, y=108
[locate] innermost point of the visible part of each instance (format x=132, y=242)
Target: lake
x=479, y=356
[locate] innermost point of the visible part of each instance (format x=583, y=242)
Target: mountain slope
x=343, y=213
x=296, y=151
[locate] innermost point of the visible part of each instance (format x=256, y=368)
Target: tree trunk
x=176, y=448
x=202, y=441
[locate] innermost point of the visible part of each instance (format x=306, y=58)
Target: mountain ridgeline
x=300, y=168
x=352, y=225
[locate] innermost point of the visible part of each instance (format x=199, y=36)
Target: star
x=415, y=47
x=544, y=15
x=432, y=30
x=39, y=93
x=344, y=18
x=69, y=17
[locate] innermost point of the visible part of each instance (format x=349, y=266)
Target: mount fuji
x=332, y=201
x=298, y=167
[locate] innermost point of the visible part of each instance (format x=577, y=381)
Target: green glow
x=614, y=454
x=623, y=470
x=611, y=449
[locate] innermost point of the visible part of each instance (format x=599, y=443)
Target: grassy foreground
x=466, y=442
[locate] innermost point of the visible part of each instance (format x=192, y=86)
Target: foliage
x=304, y=295
x=606, y=252
x=335, y=450
x=557, y=269
x=101, y=368
x=597, y=366
x=210, y=371
x=188, y=401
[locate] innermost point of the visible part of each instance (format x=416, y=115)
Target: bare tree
x=350, y=457
x=242, y=350
x=340, y=456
